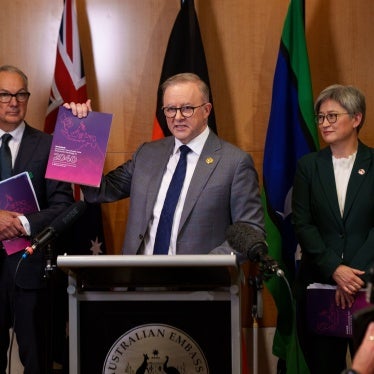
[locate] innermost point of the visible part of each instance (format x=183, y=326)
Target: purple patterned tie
x=165, y=224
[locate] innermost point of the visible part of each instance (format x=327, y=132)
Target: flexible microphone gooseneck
x=57, y=226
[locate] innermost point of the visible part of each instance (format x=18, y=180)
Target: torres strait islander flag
x=184, y=53
x=291, y=133
x=69, y=84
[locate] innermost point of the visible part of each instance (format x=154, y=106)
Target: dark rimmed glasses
x=21, y=97
x=185, y=110
x=331, y=117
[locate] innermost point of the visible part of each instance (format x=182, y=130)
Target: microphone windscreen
x=68, y=217
x=242, y=237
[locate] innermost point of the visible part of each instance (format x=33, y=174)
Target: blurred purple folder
x=324, y=317
x=17, y=195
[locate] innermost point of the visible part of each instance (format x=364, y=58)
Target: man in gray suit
x=220, y=186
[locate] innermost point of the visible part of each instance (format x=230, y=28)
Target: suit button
x=141, y=237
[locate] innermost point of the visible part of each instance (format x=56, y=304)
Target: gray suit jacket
x=221, y=192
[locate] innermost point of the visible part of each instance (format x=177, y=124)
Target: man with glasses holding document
x=185, y=189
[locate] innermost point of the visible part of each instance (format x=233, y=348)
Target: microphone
x=57, y=226
x=248, y=241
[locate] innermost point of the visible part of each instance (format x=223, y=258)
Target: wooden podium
x=120, y=305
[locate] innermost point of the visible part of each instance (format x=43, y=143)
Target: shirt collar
x=17, y=132
x=196, y=144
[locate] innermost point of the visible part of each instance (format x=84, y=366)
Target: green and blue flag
x=291, y=133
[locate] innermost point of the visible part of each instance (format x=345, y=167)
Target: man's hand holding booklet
x=79, y=146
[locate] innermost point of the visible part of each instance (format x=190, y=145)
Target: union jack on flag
x=69, y=82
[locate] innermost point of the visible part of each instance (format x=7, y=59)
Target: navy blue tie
x=5, y=157
x=165, y=224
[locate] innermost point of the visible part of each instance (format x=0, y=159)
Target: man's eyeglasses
x=331, y=117
x=186, y=110
x=21, y=97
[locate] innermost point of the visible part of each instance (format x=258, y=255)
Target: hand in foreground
x=363, y=360
x=79, y=109
x=348, y=279
x=10, y=226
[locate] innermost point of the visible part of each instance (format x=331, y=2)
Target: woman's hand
x=348, y=279
x=343, y=299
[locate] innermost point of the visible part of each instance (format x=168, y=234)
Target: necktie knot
x=5, y=138
x=184, y=149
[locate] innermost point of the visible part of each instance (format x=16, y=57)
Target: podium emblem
x=156, y=349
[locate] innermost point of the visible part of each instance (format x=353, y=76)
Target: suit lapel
x=29, y=142
x=358, y=175
x=327, y=181
x=207, y=163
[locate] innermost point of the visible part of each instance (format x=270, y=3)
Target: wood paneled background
x=123, y=44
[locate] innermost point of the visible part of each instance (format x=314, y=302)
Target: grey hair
x=13, y=69
x=185, y=78
x=349, y=97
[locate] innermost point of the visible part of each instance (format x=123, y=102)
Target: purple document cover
x=17, y=195
x=78, y=148
x=324, y=317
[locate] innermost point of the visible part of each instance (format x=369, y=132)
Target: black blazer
x=53, y=198
x=326, y=238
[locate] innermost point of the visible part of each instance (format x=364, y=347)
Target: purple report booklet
x=78, y=148
x=324, y=317
x=17, y=195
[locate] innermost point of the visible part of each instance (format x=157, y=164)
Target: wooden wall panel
x=340, y=44
x=28, y=37
x=123, y=44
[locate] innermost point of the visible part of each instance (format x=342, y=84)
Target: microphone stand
x=257, y=312
x=49, y=276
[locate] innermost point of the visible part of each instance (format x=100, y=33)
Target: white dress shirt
x=196, y=145
x=342, y=171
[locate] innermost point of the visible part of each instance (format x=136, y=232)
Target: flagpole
x=257, y=312
x=291, y=134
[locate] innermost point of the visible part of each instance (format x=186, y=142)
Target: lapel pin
x=209, y=160
x=361, y=172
